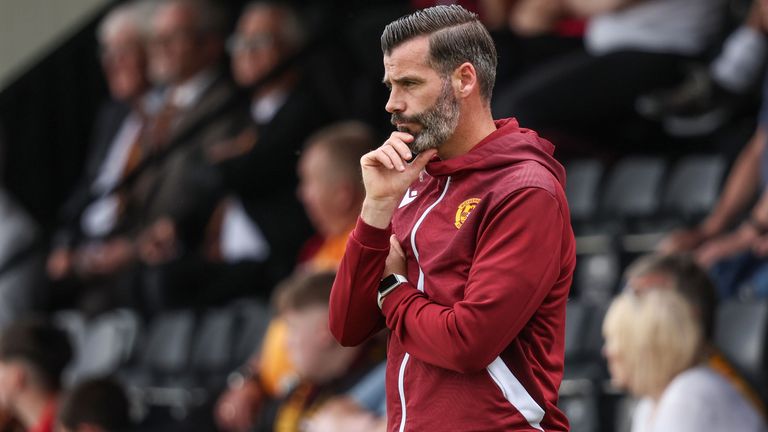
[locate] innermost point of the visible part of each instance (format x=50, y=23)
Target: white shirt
x=100, y=216
x=683, y=27
x=698, y=400
x=189, y=92
x=263, y=109
x=16, y=230
x=240, y=238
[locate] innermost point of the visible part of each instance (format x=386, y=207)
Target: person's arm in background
x=741, y=186
x=758, y=221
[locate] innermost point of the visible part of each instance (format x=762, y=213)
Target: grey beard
x=437, y=123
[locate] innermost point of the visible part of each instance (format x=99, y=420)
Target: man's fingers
x=400, y=146
x=395, y=246
x=402, y=136
x=377, y=158
x=394, y=156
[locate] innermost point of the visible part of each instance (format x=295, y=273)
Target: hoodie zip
x=420, y=287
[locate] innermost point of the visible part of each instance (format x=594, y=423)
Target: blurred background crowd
x=179, y=177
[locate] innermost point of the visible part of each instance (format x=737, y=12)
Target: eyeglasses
x=163, y=40
x=239, y=44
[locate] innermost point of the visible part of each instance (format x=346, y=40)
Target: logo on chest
x=409, y=197
x=464, y=210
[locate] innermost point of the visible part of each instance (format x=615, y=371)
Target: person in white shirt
x=655, y=347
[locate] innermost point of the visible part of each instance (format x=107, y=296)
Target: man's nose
x=394, y=103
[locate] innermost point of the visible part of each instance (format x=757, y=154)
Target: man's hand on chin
x=387, y=174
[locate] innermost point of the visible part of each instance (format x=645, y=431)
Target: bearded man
x=464, y=252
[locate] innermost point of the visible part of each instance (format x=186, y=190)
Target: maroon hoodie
x=477, y=334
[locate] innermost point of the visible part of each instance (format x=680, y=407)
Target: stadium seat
x=581, y=389
x=690, y=193
x=213, y=348
x=166, y=349
x=597, y=276
x=742, y=335
x=633, y=186
x=73, y=323
x=581, y=188
x=693, y=187
x=108, y=344
x=252, y=321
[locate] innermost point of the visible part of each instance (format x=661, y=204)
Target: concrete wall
x=29, y=28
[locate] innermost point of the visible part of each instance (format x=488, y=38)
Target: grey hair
x=210, y=17
x=292, y=33
x=455, y=36
x=135, y=15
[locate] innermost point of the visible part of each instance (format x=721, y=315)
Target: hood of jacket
x=507, y=145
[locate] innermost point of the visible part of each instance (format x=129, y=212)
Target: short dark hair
x=346, y=142
x=455, y=36
x=101, y=402
x=45, y=349
x=687, y=278
x=304, y=289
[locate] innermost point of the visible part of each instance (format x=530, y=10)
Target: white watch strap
x=399, y=280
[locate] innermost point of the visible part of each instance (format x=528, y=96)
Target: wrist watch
x=388, y=284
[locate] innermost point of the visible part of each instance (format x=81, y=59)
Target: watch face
x=387, y=282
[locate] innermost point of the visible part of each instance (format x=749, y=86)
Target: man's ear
x=464, y=80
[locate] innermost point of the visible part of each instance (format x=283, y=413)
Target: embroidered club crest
x=464, y=209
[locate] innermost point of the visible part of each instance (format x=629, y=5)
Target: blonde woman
x=654, y=344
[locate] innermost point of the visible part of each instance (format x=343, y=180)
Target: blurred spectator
x=197, y=113
x=681, y=273
x=331, y=189
x=82, y=246
x=712, y=239
x=33, y=355
x=324, y=367
x=654, y=345
x=21, y=281
x=98, y=405
x=632, y=47
x=363, y=408
x=171, y=199
x=260, y=225
x=709, y=96
x=529, y=33
x=254, y=234
x=733, y=248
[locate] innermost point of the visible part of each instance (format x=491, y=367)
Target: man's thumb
x=421, y=160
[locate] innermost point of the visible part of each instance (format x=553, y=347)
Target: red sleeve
x=354, y=314
x=516, y=264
